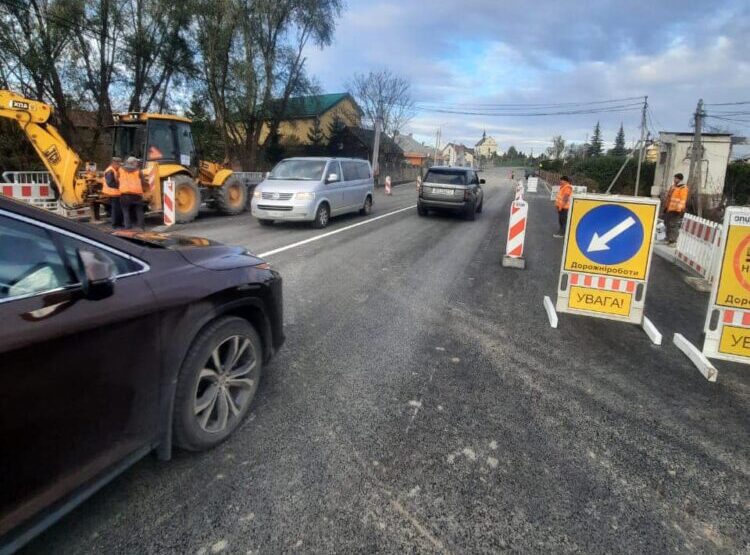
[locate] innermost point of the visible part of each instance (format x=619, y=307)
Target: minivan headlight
x=256, y=193
x=304, y=196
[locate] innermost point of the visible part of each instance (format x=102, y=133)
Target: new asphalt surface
x=423, y=404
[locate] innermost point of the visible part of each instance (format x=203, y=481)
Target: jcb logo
x=19, y=105
x=53, y=155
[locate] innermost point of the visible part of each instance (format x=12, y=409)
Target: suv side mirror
x=98, y=277
x=482, y=181
x=332, y=177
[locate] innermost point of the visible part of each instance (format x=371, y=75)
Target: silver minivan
x=314, y=190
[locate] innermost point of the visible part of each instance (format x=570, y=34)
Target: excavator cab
x=166, y=140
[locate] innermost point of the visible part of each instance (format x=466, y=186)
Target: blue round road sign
x=609, y=234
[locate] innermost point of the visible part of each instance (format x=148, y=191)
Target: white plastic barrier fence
x=531, y=184
x=698, y=245
x=40, y=177
x=577, y=190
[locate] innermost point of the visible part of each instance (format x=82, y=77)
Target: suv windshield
x=303, y=170
x=446, y=177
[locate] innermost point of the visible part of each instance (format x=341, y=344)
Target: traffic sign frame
x=725, y=316
x=611, y=291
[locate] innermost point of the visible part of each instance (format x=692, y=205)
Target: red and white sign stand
x=513, y=257
x=519, y=190
x=168, y=203
x=388, y=185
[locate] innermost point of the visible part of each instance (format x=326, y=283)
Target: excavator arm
x=60, y=160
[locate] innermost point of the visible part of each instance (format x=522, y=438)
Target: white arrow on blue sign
x=610, y=234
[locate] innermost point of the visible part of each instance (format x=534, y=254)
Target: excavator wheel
x=231, y=198
x=187, y=199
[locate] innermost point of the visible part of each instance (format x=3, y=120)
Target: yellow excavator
x=163, y=142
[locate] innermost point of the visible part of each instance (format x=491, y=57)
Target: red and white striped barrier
x=169, y=216
x=734, y=317
x=602, y=282
x=519, y=190
x=27, y=191
x=388, y=185
x=519, y=210
x=698, y=245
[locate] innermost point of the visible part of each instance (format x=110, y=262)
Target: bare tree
x=156, y=50
x=558, y=147
x=34, y=37
x=384, y=95
x=97, y=46
x=254, y=65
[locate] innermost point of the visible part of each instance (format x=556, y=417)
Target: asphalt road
x=422, y=403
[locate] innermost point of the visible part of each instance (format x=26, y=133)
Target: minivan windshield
x=446, y=177
x=302, y=170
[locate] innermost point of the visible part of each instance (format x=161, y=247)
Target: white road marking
x=334, y=232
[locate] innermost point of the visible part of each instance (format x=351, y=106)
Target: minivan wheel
x=421, y=210
x=265, y=222
x=480, y=207
x=322, y=216
x=217, y=383
x=366, y=210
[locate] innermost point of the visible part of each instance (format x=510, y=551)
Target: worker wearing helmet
x=562, y=203
x=111, y=190
x=132, y=186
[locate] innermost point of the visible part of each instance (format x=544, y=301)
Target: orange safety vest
x=562, y=202
x=106, y=189
x=677, y=198
x=154, y=153
x=131, y=182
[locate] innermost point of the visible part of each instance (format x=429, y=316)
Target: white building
x=674, y=157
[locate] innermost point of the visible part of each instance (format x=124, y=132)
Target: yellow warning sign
x=598, y=300
x=611, y=237
x=734, y=280
x=735, y=341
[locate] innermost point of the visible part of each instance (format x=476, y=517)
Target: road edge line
x=700, y=361
x=334, y=232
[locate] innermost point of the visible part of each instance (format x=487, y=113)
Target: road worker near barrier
x=562, y=203
x=675, y=204
x=111, y=190
x=132, y=186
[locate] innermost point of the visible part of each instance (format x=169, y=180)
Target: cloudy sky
x=465, y=53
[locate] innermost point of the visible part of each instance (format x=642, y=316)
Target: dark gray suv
x=447, y=188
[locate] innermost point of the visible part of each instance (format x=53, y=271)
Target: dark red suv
x=115, y=346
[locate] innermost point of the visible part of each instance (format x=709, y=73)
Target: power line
x=616, y=109
x=739, y=103
x=526, y=106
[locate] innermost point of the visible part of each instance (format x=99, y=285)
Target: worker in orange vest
x=562, y=203
x=132, y=186
x=675, y=204
x=111, y=190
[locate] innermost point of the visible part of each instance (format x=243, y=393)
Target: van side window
x=334, y=167
x=363, y=170
x=350, y=171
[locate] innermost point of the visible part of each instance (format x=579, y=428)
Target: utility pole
x=643, y=145
x=437, y=144
x=695, y=179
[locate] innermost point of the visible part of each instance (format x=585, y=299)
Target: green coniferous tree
x=619, y=149
x=595, y=147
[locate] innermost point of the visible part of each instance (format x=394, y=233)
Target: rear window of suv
x=446, y=177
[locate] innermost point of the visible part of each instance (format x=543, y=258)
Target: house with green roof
x=302, y=111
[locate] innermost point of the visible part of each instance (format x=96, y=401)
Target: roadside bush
x=737, y=184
